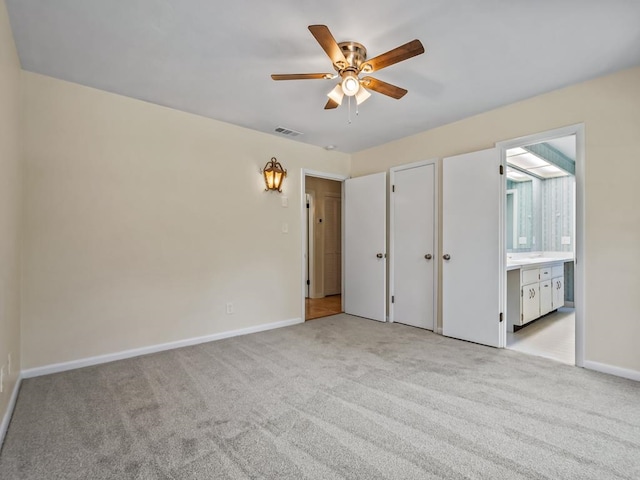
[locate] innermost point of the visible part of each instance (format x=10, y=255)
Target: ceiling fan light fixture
x=336, y=94
x=362, y=95
x=350, y=84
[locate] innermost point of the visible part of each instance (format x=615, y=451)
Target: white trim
x=303, y=218
x=580, y=274
x=136, y=352
x=613, y=370
x=4, y=426
x=312, y=288
x=436, y=226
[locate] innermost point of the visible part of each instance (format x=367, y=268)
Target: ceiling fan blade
x=398, y=54
x=302, y=76
x=331, y=104
x=383, y=87
x=328, y=44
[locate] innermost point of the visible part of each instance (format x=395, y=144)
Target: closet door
x=413, y=256
x=471, y=267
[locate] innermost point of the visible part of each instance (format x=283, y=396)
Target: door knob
x=446, y=256
x=428, y=256
x=379, y=255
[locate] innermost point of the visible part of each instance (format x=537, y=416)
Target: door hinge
x=307, y=204
x=522, y=317
x=393, y=299
x=308, y=282
x=501, y=170
x=501, y=317
x=393, y=188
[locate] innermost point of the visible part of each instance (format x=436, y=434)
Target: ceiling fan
x=350, y=60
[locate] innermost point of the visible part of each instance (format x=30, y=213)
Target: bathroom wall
x=558, y=213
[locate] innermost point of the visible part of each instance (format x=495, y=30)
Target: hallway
x=322, y=307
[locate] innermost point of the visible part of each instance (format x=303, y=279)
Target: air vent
x=288, y=132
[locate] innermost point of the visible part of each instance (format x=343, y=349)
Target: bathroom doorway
x=541, y=247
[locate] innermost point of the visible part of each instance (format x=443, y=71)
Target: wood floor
x=322, y=307
x=552, y=336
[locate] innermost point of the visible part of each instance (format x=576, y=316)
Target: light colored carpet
x=339, y=397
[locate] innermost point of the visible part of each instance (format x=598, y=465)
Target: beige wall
x=609, y=107
x=10, y=208
x=142, y=222
x=319, y=188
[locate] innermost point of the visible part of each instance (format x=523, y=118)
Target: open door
x=471, y=266
x=365, y=246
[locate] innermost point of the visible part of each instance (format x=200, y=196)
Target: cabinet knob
x=379, y=255
x=446, y=256
x=428, y=256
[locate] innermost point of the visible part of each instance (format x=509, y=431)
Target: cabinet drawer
x=530, y=276
x=557, y=271
x=545, y=273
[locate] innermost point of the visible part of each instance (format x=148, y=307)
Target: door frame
x=309, y=199
x=436, y=225
x=579, y=252
x=304, y=172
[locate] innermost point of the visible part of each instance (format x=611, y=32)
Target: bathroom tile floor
x=552, y=336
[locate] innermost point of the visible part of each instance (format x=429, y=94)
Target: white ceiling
x=214, y=58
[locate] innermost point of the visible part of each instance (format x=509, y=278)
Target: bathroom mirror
x=522, y=211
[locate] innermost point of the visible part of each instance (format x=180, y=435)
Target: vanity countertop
x=519, y=262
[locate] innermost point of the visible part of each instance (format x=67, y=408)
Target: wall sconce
x=273, y=175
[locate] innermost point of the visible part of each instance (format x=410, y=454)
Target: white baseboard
x=136, y=352
x=570, y=304
x=613, y=370
x=4, y=426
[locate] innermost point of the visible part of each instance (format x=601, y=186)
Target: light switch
x=285, y=228
x=566, y=241
x=522, y=240
x=285, y=201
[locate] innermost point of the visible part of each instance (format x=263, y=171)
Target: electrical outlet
x=229, y=308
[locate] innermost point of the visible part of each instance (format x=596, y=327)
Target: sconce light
x=273, y=175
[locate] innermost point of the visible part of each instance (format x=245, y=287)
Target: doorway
x=323, y=197
x=542, y=238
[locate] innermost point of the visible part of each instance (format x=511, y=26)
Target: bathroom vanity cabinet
x=534, y=288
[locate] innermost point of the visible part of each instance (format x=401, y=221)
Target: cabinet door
x=546, y=297
x=530, y=302
x=558, y=292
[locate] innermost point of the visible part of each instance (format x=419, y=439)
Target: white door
x=364, y=246
x=471, y=276
x=530, y=302
x=558, y=292
x=413, y=256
